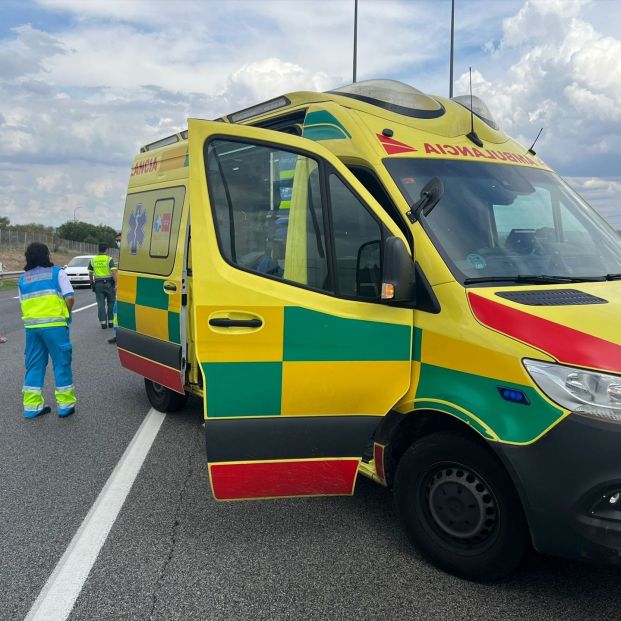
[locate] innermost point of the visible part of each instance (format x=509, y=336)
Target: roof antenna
x=472, y=136
x=531, y=151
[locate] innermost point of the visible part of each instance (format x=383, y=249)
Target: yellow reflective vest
x=101, y=267
x=41, y=298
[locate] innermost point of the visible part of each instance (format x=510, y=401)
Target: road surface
x=174, y=553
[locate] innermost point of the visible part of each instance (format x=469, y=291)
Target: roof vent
x=393, y=96
x=479, y=107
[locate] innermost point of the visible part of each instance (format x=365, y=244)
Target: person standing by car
x=102, y=274
x=46, y=297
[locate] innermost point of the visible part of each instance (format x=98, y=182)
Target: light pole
x=74, y=212
x=452, y=47
x=355, y=37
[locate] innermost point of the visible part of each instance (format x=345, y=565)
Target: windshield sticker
x=477, y=261
x=392, y=146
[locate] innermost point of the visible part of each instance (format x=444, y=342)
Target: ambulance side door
x=299, y=356
x=151, y=335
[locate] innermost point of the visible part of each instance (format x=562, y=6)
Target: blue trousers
x=41, y=344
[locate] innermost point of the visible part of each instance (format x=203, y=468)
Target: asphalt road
x=174, y=553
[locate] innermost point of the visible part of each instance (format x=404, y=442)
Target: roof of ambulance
x=389, y=100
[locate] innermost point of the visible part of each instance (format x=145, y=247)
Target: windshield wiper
x=534, y=278
x=613, y=277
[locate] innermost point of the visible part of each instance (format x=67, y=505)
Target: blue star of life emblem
x=137, y=220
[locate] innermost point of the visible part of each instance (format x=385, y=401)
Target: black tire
x=163, y=399
x=459, y=507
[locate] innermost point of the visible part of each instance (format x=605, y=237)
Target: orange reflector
x=388, y=291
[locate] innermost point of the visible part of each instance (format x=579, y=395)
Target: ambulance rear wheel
x=459, y=507
x=163, y=399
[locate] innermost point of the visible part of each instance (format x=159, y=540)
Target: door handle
x=170, y=287
x=225, y=322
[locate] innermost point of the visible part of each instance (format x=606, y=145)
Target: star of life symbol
x=137, y=220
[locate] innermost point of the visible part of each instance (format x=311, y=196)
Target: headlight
x=596, y=395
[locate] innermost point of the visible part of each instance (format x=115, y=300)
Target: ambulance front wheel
x=459, y=507
x=163, y=399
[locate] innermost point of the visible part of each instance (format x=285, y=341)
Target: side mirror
x=430, y=196
x=398, y=272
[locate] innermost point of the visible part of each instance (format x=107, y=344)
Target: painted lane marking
x=58, y=595
x=77, y=310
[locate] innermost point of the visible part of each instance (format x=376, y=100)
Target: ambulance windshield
x=500, y=221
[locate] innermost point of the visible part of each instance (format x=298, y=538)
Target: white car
x=77, y=269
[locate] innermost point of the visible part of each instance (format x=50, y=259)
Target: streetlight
x=355, y=38
x=452, y=48
x=75, y=211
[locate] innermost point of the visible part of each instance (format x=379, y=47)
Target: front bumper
x=78, y=279
x=564, y=480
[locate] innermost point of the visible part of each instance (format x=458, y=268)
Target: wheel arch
x=398, y=431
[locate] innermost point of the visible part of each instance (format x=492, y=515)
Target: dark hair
x=37, y=255
x=103, y=247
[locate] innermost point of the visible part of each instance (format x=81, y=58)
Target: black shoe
x=110, y=324
x=112, y=340
x=103, y=326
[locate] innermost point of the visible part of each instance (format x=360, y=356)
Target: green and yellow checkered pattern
x=144, y=306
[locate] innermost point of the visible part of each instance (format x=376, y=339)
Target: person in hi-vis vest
x=102, y=274
x=46, y=297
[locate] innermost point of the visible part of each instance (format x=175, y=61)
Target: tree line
x=73, y=230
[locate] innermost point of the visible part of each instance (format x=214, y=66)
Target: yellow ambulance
x=374, y=280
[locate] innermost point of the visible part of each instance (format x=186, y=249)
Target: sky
x=85, y=83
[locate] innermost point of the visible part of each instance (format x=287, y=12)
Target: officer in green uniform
x=102, y=274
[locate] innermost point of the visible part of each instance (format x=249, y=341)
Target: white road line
x=77, y=310
x=58, y=595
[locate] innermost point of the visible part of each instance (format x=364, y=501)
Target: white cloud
x=603, y=194
x=269, y=78
x=52, y=194
x=563, y=75
x=57, y=180
x=25, y=54
x=76, y=102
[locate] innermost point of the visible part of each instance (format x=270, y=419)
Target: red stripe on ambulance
x=392, y=146
x=166, y=376
x=274, y=479
x=565, y=344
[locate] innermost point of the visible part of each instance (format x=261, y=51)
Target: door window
x=271, y=218
x=357, y=243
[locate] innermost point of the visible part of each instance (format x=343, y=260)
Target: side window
x=268, y=211
x=357, y=243
x=270, y=219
